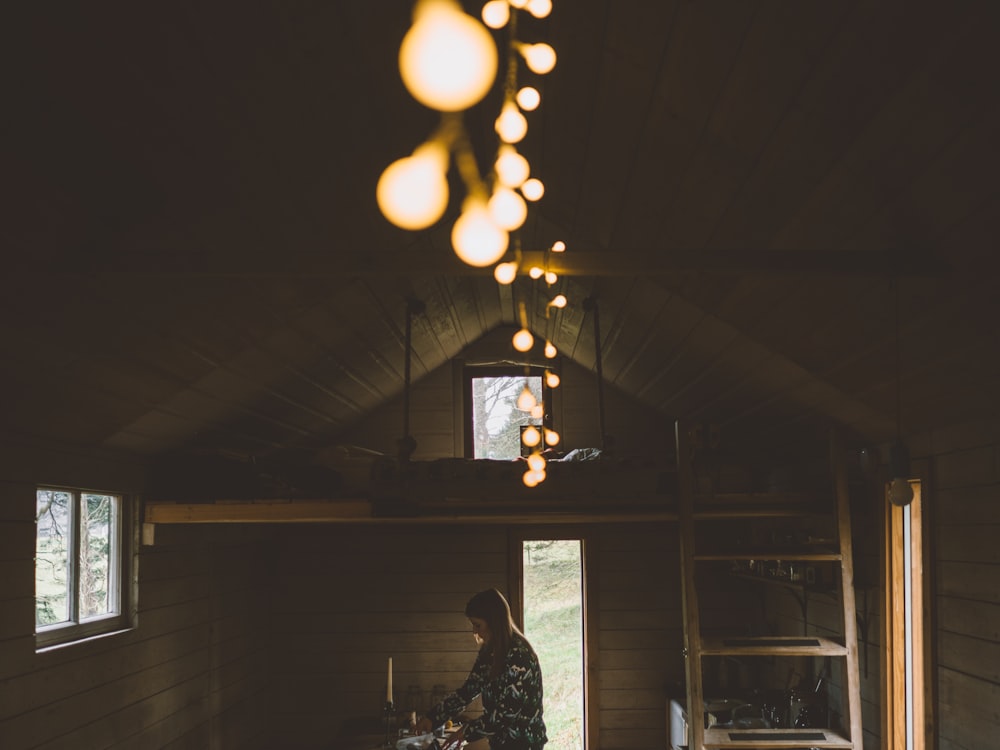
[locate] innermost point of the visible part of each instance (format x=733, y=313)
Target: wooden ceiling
x=195, y=260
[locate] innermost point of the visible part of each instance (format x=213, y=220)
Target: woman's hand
x=455, y=741
x=423, y=726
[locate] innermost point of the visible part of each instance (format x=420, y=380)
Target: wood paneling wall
x=190, y=676
x=436, y=413
x=346, y=598
x=965, y=526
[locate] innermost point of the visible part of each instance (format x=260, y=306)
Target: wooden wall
x=436, y=412
x=262, y=637
x=965, y=484
x=190, y=676
x=345, y=598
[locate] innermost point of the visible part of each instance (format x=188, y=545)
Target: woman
x=506, y=674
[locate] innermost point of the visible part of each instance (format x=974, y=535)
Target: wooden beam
x=258, y=511
x=360, y=511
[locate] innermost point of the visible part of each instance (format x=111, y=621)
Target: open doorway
x=552, y=595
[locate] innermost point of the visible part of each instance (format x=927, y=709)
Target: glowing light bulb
x=535, y=272
x=512, y=169
x=533, y=189
x=531, y=479
x=540, y=58
x=507, y=209
x=531, y=436
x=528, y=98
x=551, y=380
x=412, y=192
x=505, y=273
x=550, y=350
x=551, y=437
x=536, y=462
x=526, y=401
x=496, y=13
x=475, y=238
x=519, y=4
x=550, y=277
x=539, y=8
x=523, y=340
x=558, y=301
x=448, y=60
x=558, y=246
x=537, y=412
x=511, y=125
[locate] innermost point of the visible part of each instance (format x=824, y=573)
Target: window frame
x=471, y=372
x=75, y=629
x=919, y=711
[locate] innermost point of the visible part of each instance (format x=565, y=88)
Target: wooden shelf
x=773, y=738
x=771, y=554
x=771, y=646
x=735, y=513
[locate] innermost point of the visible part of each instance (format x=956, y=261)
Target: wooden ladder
x=697, y=646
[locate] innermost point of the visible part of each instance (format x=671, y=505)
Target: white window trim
x=67, y=633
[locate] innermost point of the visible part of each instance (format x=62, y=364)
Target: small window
x=81, y=564
x=494, y=419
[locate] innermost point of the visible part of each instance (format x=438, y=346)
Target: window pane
x=98, y=532
x=53, y=542
x=496, y=420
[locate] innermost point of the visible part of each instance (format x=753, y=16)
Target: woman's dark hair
x=491, y=606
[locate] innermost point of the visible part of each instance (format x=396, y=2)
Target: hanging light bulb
x=551, y=437
x=540, y=58
x=511, y=125
x=533, y=189
x=531, y=436
x=533, y=478
x=475, y=238
x=551, y=277
x=507, y=209
x=523, y=340
x=526, y=401
x=505, y=273
x=448, y=60
x=528, y=98
x=519, y=4
x=537, y=411
x=550, y=350
x=551, y=379
x=512, y=169
x=558, y=246
x=412, y=192
x=539, y=8
x=536, y=272
x=496, y=14
x=536, y=462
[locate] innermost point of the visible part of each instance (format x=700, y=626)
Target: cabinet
x=740, y=538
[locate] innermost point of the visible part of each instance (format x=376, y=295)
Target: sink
x=734, y=713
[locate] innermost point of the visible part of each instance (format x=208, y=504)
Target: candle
x=388, y=683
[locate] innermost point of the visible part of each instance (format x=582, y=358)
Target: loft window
x=493, y=419
x=82, y=570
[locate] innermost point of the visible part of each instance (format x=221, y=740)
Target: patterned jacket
x=512, y=703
